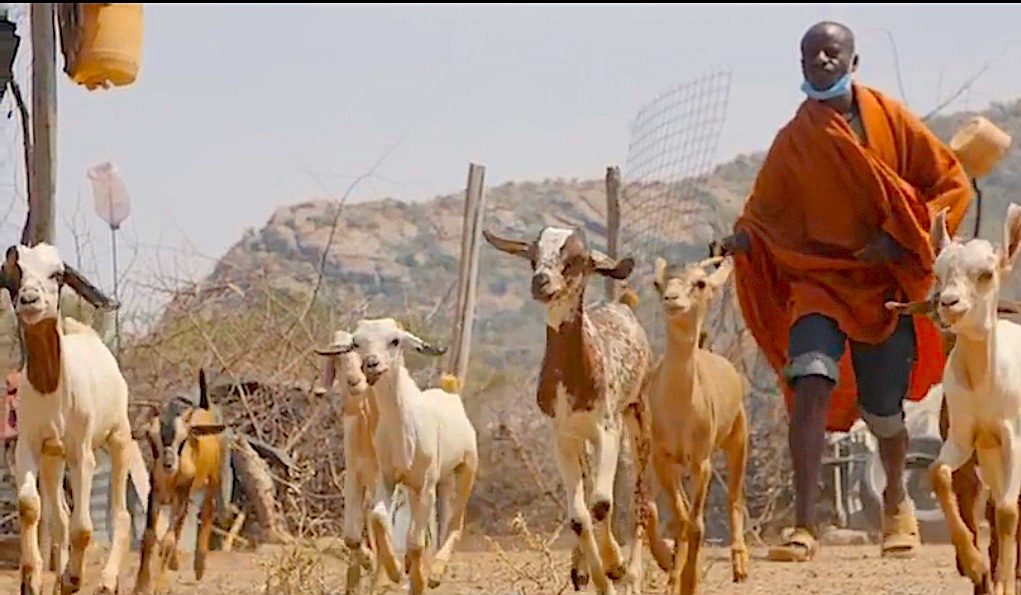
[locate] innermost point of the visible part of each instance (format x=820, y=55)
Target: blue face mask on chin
x=841, y=87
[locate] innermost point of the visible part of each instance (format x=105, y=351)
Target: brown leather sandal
x=901, y=538
x=800, y=546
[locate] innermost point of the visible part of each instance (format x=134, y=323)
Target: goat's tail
x=628, y=297
x=450, y=383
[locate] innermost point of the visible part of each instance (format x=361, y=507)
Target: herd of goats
x=599, y=380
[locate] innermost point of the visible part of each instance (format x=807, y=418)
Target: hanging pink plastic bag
x=111, y=196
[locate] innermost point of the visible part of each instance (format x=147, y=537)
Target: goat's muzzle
x=169, y=461
x=373, y=368
x=29, y=306
x=541, y=287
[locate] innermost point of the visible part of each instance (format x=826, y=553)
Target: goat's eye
x=985, y=276
x=700, y=284
x=395, y=342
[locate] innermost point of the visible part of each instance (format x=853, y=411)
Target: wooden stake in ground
x=471, y=237
x=612, y=223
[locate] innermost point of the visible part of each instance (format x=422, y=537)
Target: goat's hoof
x=616, y=573
x=579, y=579
x=199, y=566
x=739, y=561
x=439, y=568
x=173, y=564
x=69, y=584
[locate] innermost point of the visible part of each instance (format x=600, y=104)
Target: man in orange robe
x=836, y=225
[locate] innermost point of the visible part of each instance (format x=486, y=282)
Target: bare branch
x=966, y=86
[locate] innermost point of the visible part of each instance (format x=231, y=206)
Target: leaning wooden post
x=42, y=168
x=471, y=237
x=612, y=223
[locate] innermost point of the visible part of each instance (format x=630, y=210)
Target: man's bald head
x=830, y=31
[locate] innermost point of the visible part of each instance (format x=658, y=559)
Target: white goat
x=592, y=380
x=73, y=399
x=360, y=416
x=424, y=441
x=982, y=391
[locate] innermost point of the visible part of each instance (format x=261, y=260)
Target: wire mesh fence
x=664, y=205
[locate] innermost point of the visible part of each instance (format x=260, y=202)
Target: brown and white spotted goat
x=188, y=450
x=593, y=373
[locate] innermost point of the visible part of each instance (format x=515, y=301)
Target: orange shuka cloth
x=821, y=196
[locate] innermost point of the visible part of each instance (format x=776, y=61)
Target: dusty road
x=481, y=569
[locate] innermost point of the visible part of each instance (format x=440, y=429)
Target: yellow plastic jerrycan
x=979, y=145
x=110, y=50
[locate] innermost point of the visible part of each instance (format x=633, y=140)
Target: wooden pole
x=612, y=222
x=42, y=185
x=471, y=237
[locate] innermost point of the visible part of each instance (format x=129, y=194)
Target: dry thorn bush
x=541, y=574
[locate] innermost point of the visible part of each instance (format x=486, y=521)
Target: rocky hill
x=402, y=258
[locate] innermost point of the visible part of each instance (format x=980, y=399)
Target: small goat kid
x=982, y=389
x=597, y=359
x=424, y=441
x=696, y=401
x=188, y=450
x=73, y=399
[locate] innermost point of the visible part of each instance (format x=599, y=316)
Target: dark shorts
x=882, y=372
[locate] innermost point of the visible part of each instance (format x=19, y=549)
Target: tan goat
x=188, y=450
x=696, y=400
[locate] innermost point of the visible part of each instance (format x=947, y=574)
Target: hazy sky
x=239, y=110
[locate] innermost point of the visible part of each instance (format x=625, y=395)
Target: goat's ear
x=607, y=267
x=939, y=235
x=206, y=429
x=149, y=424
x=721, y=274
x=659, y=280
x=1011, y=237
x=512, y=247
x=11, y=273
x=421, y=346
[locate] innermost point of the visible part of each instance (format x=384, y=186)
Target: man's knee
x=813, y=364
x=816, y=344
x=884, y=426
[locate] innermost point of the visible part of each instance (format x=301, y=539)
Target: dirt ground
x=483, y=567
